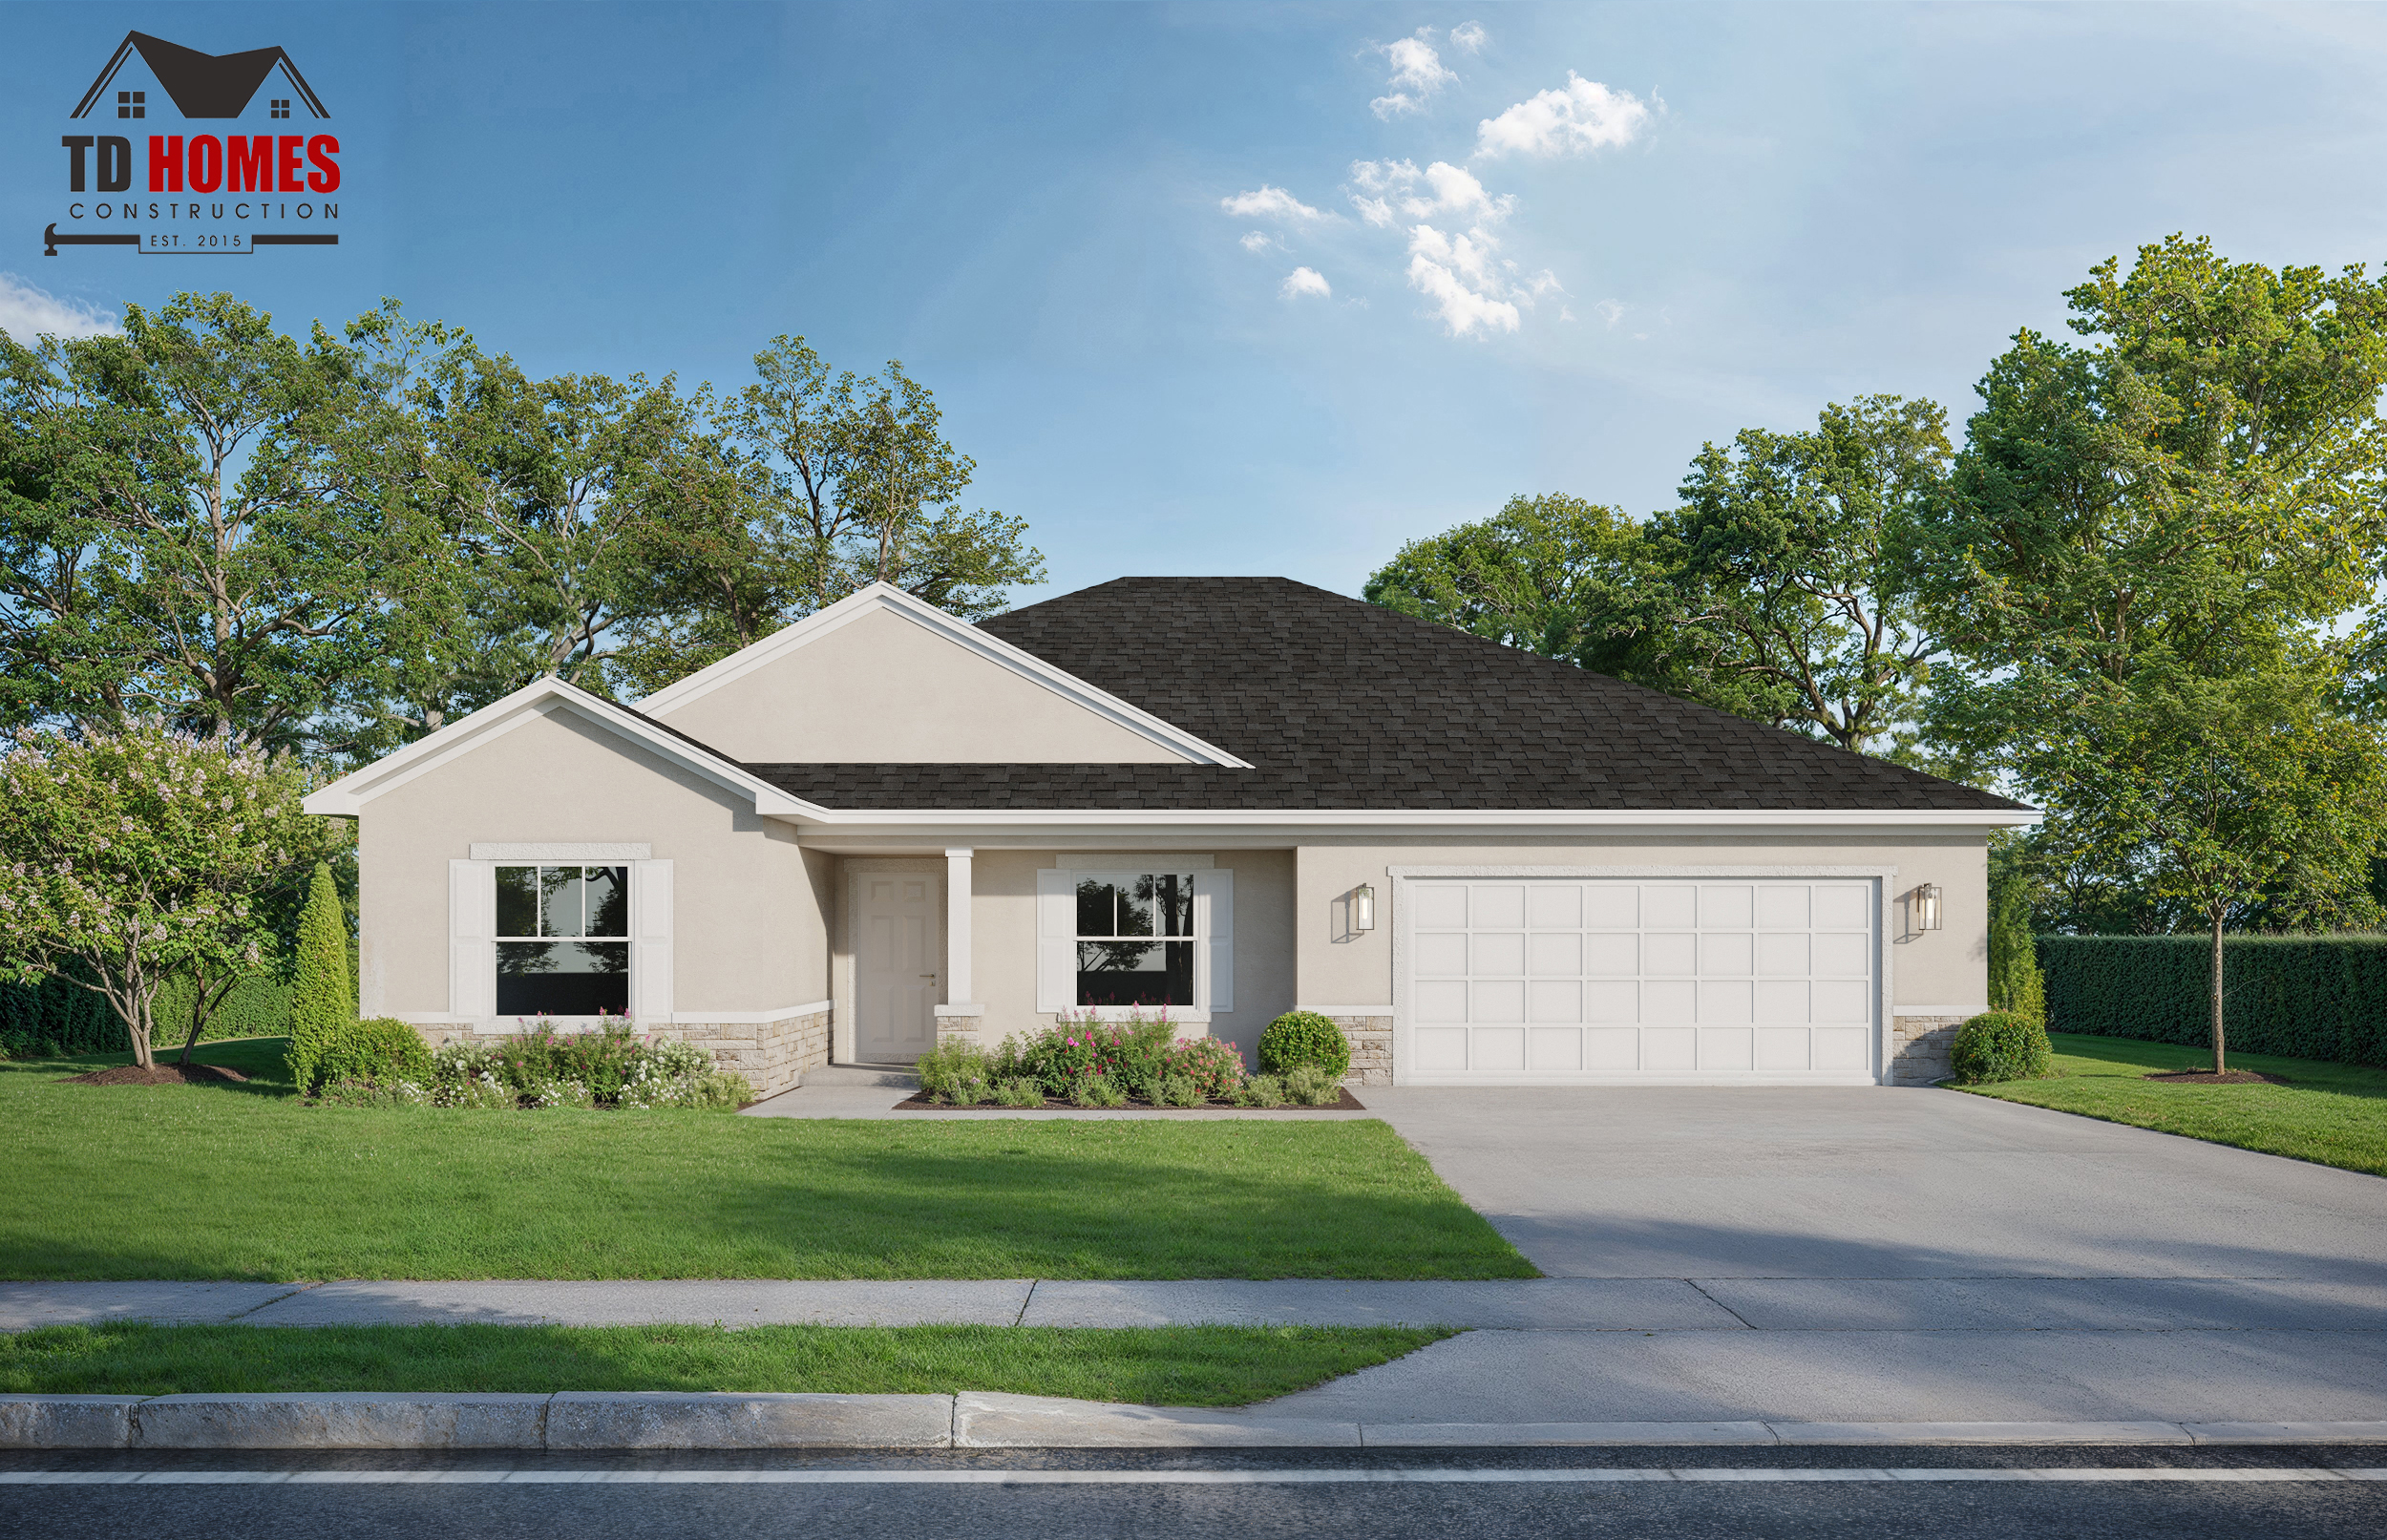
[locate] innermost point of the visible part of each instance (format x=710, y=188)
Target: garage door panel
x=1727, y=954
x=1500, y=951
x=1524, y=978
x=1555, y=953
x=1560, y=907
x=1495, y=999
x=1670, y=952
x=1440, y=1001
x=1554, y=999
x=1555, y=1048
x=1606, y=999
x=1496, y=907
x=1670, y=1047
x=1442, y=956
x=1726, y=1001
x=1729, y=1048
x=1497, y=1048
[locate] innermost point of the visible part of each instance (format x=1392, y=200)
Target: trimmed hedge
x=2303, y=997
x=1299, y=1037
x=58, y=1016
x=1997, y=1046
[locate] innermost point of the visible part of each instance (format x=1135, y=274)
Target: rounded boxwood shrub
x=2001, y=1045
x=383, y=1051
x=1298, y=1038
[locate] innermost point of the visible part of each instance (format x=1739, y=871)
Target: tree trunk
x=2218, y=1039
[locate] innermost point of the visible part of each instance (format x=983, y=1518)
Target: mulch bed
x=2206, y=1077
x=156, y=1075
x=918, y=1102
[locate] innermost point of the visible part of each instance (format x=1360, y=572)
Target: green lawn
x=2331, y=1113
x=245, y=1182
x=1175, y=1366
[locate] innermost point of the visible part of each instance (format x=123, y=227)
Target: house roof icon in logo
x=203, y=85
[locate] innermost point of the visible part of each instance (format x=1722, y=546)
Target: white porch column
x=960, y=987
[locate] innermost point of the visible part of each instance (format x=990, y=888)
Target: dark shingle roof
x=1340, y=703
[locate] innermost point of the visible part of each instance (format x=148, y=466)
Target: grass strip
x=1160, y=1366
x=245, y=1182
x=2332, y=1114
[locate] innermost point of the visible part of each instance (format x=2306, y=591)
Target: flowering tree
x=142, y=853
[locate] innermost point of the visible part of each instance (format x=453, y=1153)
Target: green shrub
x=1262, y=1091
x=1019, y=1092
x=381, y=1051
x=956, y=1071
x=2000, y=1045
x=1311, y=1085
x=2301, y=997
x=321, y=1001
x=1299, y=1037
x=2015, y=982
x=1098, y=1090
x=371, y=1093
x=1177, y=1090
x=1215, y=1068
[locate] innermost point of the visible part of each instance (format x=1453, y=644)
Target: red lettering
x=166, y=163
x=249, y=165
x=207, y=161
x=321, y=149
x=287, y=161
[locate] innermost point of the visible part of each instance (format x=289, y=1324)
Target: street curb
x=737, y=1419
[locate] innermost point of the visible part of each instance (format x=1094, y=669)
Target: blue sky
x=1553, y=248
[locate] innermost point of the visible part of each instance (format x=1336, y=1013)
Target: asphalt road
x=1933, y=1493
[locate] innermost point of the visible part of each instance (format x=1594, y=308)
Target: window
x=562, y=937
x=280, y=106
x=129, y=103
x=1135, y=939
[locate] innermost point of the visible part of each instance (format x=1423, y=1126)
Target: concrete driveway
x=1895, y=1255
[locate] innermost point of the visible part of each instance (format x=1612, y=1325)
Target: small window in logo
x=129, y=104
x=280, y=106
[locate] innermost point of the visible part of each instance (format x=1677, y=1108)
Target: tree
x=321, y=996
x=182, y=541
x=142, y=851
x=1788, y=587
x=2148, y=539
x=1552, y=575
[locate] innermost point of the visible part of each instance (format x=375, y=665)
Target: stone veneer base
x=772, y=1055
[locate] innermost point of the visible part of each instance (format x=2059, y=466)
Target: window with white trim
x=1135, y=939
x=562, y=941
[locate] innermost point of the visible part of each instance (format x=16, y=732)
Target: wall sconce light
x=1927, y=907
x=1363, y=908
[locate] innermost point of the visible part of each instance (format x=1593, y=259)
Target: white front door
x=1518, y=982
x=897, y=962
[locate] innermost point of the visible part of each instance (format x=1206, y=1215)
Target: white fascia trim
x=881, y=596
x=1421, y=818
x=819, y=1007
x=347, y=796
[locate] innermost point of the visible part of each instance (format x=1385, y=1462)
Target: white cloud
x=1448, y=189
x=1415, y=67
x=1270, y=203
x=1468, y=37
x=1610, y=311
x=1258, y=240
x=1455, y=273
x=1306, y=281
x=26, y=312
x=1580, y=116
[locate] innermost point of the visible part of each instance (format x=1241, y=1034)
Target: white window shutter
x=1056, y=940
x=472, y=954
x=650, y=949
x=1213, y=922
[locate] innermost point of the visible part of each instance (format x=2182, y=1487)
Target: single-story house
x=1228, y=796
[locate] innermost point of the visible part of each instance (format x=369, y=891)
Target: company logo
x=226, y=193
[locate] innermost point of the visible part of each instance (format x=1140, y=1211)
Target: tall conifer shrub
x=320, y=1001
x=2016, y=985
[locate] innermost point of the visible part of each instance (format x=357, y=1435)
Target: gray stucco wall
x=750, y=929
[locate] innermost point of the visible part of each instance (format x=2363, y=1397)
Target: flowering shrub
x=1135, y=1056
x=382, y=1050
x=547, y=1068
x=956, y=1071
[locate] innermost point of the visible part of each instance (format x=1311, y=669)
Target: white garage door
x=1522, y=981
